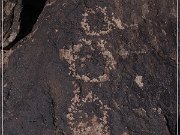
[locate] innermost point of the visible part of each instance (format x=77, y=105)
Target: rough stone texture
x=95, y=67
x=11, y=17
x=19, y=17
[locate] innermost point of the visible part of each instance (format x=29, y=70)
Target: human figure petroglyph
x=83, y=123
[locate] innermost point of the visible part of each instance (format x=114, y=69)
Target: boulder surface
x=94, y=67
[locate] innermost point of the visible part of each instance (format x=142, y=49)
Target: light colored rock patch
x=12, y=36
x=9, y=39
x=5, y=85
x=84, y=124
x=94, y=128
x=111, y=22
x=50, y=2
x=159, y=110
x=125, y=133
x=123, y=53
x=71, y=55
x=140, y=111
x=118, y=23
x=139, y=52
x=139, y=81
x=8, y=7
x=174, y=12
x=110, y=61
x=145, y=10
x=5, y=59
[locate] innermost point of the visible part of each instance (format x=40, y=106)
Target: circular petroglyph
x=97, y=22
x=84, y=122
x=90, y=62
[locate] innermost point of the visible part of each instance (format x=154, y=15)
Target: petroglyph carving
x=83, y=123
x=106, y=23
x=73, y=55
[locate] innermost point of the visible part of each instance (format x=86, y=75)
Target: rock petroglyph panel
x=120, y=55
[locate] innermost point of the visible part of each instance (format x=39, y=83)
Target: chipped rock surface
x=11, y=20
x=139, y=81
x=94, y=67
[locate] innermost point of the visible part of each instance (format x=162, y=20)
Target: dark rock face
x=95, y=67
